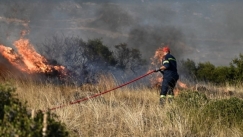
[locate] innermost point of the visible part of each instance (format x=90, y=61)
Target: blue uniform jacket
x=169, y=62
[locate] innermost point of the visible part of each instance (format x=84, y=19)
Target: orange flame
x=156, y=80
x=181, y=84
x=12, y=57
x=156, y=62
x=28, y=60
x=158, y=57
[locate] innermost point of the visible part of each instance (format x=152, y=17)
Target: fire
x=181, y=84
x=12, y=57
x=28, y=60
x=158, y=57
x=156, y=62
x=156, y=80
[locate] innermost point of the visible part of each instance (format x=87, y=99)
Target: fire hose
x=96, y=95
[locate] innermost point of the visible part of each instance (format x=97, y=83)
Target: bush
x=100, y=51
x=236, y=69
x=128, y=58
x=226, y=112
x=15, y=119
x=208, y=72
x=204, y=117
x=187, y=68
x=191, y=99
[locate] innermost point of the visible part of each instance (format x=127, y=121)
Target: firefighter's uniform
x=170, y=77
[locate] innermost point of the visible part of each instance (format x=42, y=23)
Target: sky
x=199, y=30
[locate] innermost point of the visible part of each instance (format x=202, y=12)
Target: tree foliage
x=128, y=58
x=236, y=67
x=97, y=50
x=208, y=72
x=188, y=67
x=205, y=71
x=86, y=60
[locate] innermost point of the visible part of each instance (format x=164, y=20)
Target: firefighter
x=170, y=75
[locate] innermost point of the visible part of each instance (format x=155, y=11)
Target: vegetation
x=227, y=115
x=131, y=111
x=128, y=58
x=86, y=59
x=216, y=117
x=83, y=56
x=98, y=50
x=15, y=119
x=126, y=111
x=208, y=72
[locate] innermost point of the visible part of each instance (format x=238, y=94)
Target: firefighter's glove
x=157, y=70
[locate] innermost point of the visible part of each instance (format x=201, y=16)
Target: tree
x=99, y=51
x=221, y=75
x=237, y=68
x=82, y=59
x=188, y=67
x=128, y=58
x=85, y=60
x=205, y=71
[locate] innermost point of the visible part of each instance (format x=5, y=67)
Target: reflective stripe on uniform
x=166, y=61
x=172, y=59
x=162, y=96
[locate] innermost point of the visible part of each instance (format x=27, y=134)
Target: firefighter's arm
x=162, y=68
x=165, y=65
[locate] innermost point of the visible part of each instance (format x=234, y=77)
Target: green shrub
x=226, y=112
x=15, y=119
x=186, y=107
x=190, y=99
x=98, y=50
x=204, y=117
x=187, y=103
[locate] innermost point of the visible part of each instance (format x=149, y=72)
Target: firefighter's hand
x=157, y=70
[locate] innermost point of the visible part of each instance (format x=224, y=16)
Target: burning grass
x=28, y=61
x=136, y=112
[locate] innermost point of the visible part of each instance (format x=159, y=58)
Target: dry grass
x=123, y=112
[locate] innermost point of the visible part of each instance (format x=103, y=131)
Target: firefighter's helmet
x=166, y=49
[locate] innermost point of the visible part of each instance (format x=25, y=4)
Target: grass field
x=136, y=111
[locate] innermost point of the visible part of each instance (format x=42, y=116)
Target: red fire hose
x=95, y=95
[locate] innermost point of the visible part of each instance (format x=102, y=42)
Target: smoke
x=199, y=30
x=140, y=26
